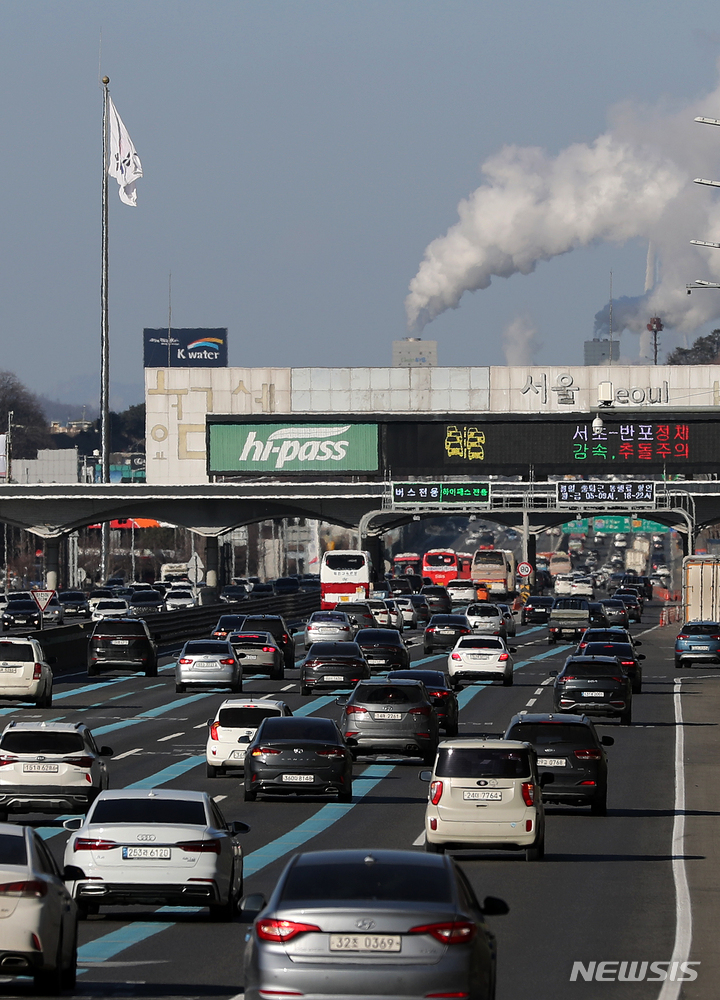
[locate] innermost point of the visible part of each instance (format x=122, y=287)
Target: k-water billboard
x=284, y=448
x=185, y=348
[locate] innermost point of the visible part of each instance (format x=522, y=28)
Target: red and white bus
x=464, y=565
x=441, y=565
x=406, y=562
x=344, y=576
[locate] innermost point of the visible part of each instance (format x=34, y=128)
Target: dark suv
x=536, y=611
x=438, y=599
x=122, y=642
x=593, y=685
x=277, y=628
x=698, y=642
x=569, y=748
x=74, y=604
x=390, y=717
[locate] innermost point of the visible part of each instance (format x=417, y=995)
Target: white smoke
x=520, y=342
x=636, y=180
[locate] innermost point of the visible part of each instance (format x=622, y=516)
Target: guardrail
x=68, y=643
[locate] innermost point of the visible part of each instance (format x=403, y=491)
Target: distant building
x=51, y=466
x=412, y=352
x=597, y=352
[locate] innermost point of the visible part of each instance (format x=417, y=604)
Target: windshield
x=482, y=762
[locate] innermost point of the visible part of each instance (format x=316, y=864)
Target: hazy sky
x=299, y=157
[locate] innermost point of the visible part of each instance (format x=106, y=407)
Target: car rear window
x=251, y=638
x=435, y=591
x=110, y=629
x=12, y=849
x=247, y=717
x=608, y=649
x=430, y=678
x=39, y=741
x=275, y=626
x=146, y=810
x=483, y=611
x=335, y=649
x=213, y=646
x=332, y=616
x=300, y=729
x=609, y=635
x=591, y=669
x=570, y=604
x=612, y=603
x=72, y=597
x=549, y=733
x=479, y=643
x=449, y=620
x=351, y=881
x=482, y=762
x=705, y=628
x=386, y=694
x=385, y=636
x=20, y=652
x=230, y=621
x=349, y=606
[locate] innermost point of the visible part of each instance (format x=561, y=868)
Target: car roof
x=481, y=743
x=387, y=857
x=538, y=718
x=174, y=794
x=53, y=727
x=383, y=682
x=249, y=703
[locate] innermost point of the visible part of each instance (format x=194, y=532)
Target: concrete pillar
x=52, y=563
x=211, y=562
x=374, y=545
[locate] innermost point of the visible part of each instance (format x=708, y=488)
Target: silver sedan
x=329, y=626
x=208, y=663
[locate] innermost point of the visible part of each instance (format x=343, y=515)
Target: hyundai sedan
x=384, y=648
x=332, y=665
x=443, y=631
x=371, y=923
x=208, y=663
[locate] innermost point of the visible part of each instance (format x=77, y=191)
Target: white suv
x=233, y=729
x=485, y=793
x=50, y=767
x=25, y=675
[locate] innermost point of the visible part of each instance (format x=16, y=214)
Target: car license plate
x=250, y=656
x=376, y=662
x=700, y=647
x=42, y=768
x=445, y=631
x=238, y=755
x=365, y=942
x=387, y=715
x=119, y=642
x=9, y=670
x=205, y=663
x=592, y=694
x=333, y=677
x=298, y=777
x=146, y=853
x=477, y=656
x=552, y=761
x=486, y=796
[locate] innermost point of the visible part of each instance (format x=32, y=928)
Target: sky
x=300, y=158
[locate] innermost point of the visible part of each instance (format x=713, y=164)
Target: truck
x=636, y=561
x=174, y=573
x=701, y=588
x=568, y=616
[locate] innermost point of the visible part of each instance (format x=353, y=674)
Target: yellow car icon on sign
x=474, y=441
x=454, y=447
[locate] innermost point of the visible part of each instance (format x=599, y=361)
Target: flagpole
x=105, y=338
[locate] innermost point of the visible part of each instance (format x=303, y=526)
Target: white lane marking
x=531, y=702
x=683, y=910
x=548, y=680
x=219, y=798
x=419, y=841
x=523, y=711
x=539, y=691
x=127, y=753
x=203, y=725
x=172, y=736
x=287, y=687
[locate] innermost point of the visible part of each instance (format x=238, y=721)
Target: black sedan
x=443, y=631
x=632, y=603
x=569, y=748
x=227, y=624
x=626, y=656
x=303, y=755
x=384, y=649
x=422, y=608
x=23, y=612
x=333, y=665
x=443, y=698
x=593, y=685
x=536, y=611
x=438, y=598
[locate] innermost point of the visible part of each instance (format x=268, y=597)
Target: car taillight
x=343, y=628
x=436, y=790
x=503, y=656
x=184, y=659
x=85, y=844
x=590, y=754
x=582, y=645
x=352, y=709
x=336, y=754
x=453, y=932
x=628, y=663
x=282, y=930
x=214, y=731
x=79, y=761
x=5, y=761
x=430, y=628
x=569, y=677
x=527, y=790
x=681, y=636
x=464, y=631
x=422, y=710
x=227, y=662
x=200, y=846
x=285, y=637
x=262, y=751
x=456, y=656
x=37, y=671
x=33, y=887
x=619, y=680
x=439, y=694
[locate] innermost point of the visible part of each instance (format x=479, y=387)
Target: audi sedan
x=371, y=923
x=208, y=663
x=481, y=658
x=384, y=648
x=332, y=665
x=443, y=631
x=158, y=847
x=306, y=756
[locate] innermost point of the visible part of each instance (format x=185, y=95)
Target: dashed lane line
x=172, y=736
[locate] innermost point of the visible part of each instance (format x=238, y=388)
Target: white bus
x=344, y=576
x=495, y=568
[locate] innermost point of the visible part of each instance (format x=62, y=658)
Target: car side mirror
x=494, y=907
x=251, y=905
x=74, y=823
x=637, y=643
x=157, y=637
x=607, y=741
x=546, y=779
x=425, y=775
x=342, y=701
x=51, y=660
x=513, y=649
x=552, y=673
x=641, y=656
x=106, y=752
x=238, y=827
x=71, y=873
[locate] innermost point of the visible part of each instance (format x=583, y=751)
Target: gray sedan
x=329, y=626
x=208, y=663
x=371, y=923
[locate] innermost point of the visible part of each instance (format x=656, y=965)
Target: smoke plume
x=635, y=180
x=520, y=342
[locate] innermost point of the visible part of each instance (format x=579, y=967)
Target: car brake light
x=227, y=662
x=683, y=636
x=423, y=710
x=430, y=628
x=5, y=761
x=570, y=677
x=352, y=709
x=37, y=671
x=618, y=679
x=79, y=761
x=214, y=731
x=527, y=790
x=590, y=754
x=439, y=694
x=84, y=844
x=627, y=663
x=285, y=637
x=200, y=846
x=262, y=751
x=453, y=932
x=456, y=656
x=337, y=753
x=33, y=887
x=503, y=656
x=436, y=790
x=185, y=659
x=282, y=930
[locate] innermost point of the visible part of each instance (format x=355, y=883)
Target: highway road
x=605, y=891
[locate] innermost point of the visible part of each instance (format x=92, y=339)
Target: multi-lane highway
x=605, y=891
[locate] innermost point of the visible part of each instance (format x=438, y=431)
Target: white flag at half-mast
x=124, y=163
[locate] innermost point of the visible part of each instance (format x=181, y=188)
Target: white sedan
x=178, y=600
x=109, y=607
x=38, y=919
x=157, y=847
x=479, y=658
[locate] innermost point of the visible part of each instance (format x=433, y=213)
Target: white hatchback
x=485, y=793
x=38, y=919
x=157, y=847
x=233, y=729
x=25, y=674
x=461, y=591
x=480, y=657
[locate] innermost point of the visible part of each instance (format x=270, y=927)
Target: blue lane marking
x=106, y=947
x=169, y=773
x=318, y=823
x=316, y=703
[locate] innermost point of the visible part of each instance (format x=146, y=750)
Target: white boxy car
x=232, y=730
x=156, y=847
x=485, y=793
x=38, y=918
x=25, y=675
